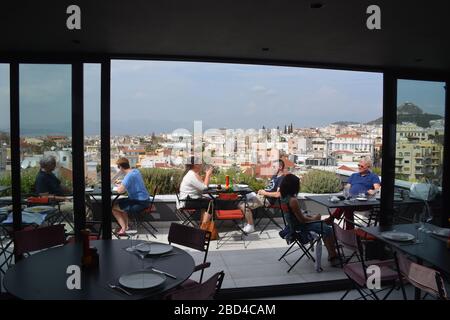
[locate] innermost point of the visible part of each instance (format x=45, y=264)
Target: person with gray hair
x=362, y=182
x=47, y=184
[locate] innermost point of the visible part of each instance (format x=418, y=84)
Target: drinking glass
x=346, y=193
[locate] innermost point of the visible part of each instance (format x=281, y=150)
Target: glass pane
x=5, y=150
x=46, y=142
x=92, y=142
x=5, y=163
x=238, y=118
x=420, y=140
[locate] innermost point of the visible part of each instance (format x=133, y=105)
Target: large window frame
x=390, y=78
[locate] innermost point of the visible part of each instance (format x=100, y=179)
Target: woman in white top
x=192, y=187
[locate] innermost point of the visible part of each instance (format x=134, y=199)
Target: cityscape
x=336, y=148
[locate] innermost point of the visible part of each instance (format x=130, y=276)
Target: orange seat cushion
x=38, y=200
x=228, y=196
x=364, y=235
x=229, y=214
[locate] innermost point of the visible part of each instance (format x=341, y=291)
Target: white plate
x=397, y=236
x=38, y=209
x=144, y=247
x=153, y=248
x=443, y=232
x=361, y=199
x=144, y=279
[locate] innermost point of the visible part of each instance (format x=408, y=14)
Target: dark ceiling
x=414, y=34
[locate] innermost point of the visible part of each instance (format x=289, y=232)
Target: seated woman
x=295, y=218
x=47, y=184
x=192, y=187
x=138, y=196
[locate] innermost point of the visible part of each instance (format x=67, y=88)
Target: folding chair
x=140, y=218
x=194, y=238
x=185, y=214
x=269, y=210
x=207, y=290
x=59, y=217
x=305, y=241
x=421, y=277
x=226, y=208
x=357, y=271
x=26, y=241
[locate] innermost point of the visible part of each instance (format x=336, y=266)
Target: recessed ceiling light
x=316, y=5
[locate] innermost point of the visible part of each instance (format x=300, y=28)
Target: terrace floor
x=257, y=264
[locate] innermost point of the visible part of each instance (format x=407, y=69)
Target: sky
x=161, y=96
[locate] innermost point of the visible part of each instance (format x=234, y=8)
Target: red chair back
x=37, y=200
x=38, y=239
x=228, y=196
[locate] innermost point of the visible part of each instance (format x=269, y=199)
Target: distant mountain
x=344, y=123
x=409, y=112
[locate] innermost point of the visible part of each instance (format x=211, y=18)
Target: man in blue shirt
x=363, y=181
x=138, y=196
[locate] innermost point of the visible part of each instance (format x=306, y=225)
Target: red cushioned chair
x=226, y=208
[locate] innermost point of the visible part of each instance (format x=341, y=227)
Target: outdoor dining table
x=429, y=248
x=44, y=275
x=355, y=204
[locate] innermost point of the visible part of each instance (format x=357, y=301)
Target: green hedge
x=167, y=180
x=317, y=181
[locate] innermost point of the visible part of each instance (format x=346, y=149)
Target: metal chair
x=26, y=241
x=268, y=211
x=303, y=241
x=226, y=208
x=185, y=214
x=140, y=218
x=194, y=238
x=356, y=272
x=426, y=279
x=207, y=290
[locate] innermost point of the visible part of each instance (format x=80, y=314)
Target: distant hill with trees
x=409, y=112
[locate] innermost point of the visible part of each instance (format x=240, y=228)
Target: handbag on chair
x=210, y=225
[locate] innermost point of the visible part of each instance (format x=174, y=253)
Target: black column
x=106, y=148
x=15, y=144
x=446, y=162
x=79, y=208
x=389, y=141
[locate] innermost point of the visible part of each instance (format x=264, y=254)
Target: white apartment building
x=353, y=143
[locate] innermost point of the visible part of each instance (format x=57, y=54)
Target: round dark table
x=43, y=275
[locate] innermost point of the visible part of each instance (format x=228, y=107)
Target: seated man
x=138, y=196
x=363, y=181
x=271, y=193
x=47, y=184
